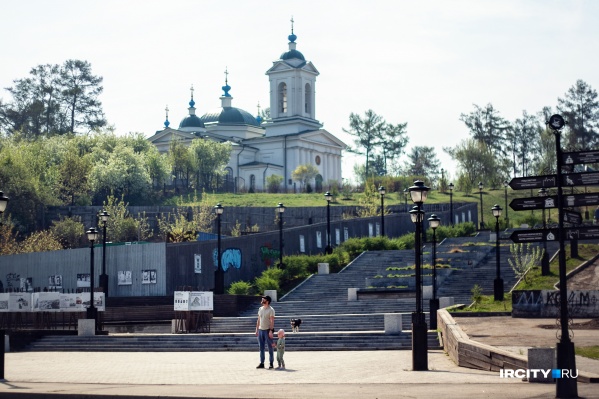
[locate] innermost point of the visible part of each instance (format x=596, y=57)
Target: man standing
x=264, y=330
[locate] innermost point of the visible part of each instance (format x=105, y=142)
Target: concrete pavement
x=335, y=374
x=376, y=374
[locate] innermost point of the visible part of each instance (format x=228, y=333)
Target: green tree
x=79, y=91
x=368, y=131
x=580, y=108
x=208, y=160
x=475, y=161
x=273, y=182
x=69, y=231
x=393, y=143
x=524, y=139
x=422, y=161
x=54, y=99
x=304, y=174
x=487, y=126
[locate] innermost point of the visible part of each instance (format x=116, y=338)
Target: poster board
x=201, y=300
x=19, y=302
x=99, y=300
x=4, y=302
x=71, y=303
x=45, y=302
x=181, y=303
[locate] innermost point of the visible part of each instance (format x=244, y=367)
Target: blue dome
x=291, y=54
x=230, y=116
x=191, y=121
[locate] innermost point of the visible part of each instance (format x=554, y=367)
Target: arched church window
x=308, y=98
x=252, y=183
x=282, y=98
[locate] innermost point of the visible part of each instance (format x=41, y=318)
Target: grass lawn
x=488, y=304
x=591, y=352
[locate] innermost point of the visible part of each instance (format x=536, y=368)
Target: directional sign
x=572, y=217
x=533, y=235
x=522, y=204
x=574, y=200
x=547, y=181
x=581, y=179
x=522, y=183
x=571, y=233
x=569, y=158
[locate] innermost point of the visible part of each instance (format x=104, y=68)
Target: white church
x=292, y=136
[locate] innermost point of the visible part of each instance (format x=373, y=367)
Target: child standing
x=281, y=348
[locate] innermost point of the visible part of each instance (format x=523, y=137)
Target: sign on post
x=572, y=158
x=572, y=233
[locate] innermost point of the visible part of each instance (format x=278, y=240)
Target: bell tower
x=292, y=93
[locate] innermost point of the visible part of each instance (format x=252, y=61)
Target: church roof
x=191, y=121
x=229, y=116
x=292, y=53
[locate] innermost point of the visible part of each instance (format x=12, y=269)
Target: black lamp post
x=451, y=203
x=328, y=196
x=545, y=259
x=482, y=217
x=92, y=312
x=419, y=193
x=434, y=221
x=219, y=274
x=507, y=219
x=280, y=209
x=382, y=192
x=104, y=216
x=498, y=283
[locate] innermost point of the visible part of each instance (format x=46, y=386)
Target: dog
x=295, y=325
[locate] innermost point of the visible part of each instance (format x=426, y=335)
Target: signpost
x=540, y=235
x=571, y=158
x=572, y=200
x=549, y=181
x=572, y=217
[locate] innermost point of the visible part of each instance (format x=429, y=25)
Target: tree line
x=496, y=150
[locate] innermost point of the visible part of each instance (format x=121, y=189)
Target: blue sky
x=420, y=62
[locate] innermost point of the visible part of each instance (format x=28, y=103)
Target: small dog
x=295, y=325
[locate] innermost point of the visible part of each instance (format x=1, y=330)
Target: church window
x=252, y=183
x=282, y=98
x=308, y=99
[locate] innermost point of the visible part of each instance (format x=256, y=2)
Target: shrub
x=264, y=283
x=477, y=295
x=240, y=288
x=273, y=182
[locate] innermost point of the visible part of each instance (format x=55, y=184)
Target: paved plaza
x=371, y=374
x=323, y=374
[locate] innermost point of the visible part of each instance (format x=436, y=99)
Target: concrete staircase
x=329, y=320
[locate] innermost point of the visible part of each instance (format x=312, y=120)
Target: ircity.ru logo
x=537, y=373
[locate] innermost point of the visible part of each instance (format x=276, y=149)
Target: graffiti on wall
x=546, y=303
x=231, y=257
x=269, y=255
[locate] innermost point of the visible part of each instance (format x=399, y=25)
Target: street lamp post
x=545, y=259
x=382, y=192
x=328, y=196
x=281, y=209
x=498, y=283
x=507, y=219
x=219, y=274
x=418, y=193
x=451, y=203
x=92, y=312
x=434, y=221
x=482, y=217
x=104, y=277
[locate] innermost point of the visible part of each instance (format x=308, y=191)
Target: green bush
x=264, y=283
x=240, y=288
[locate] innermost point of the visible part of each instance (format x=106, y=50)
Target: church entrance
x=318, y=183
